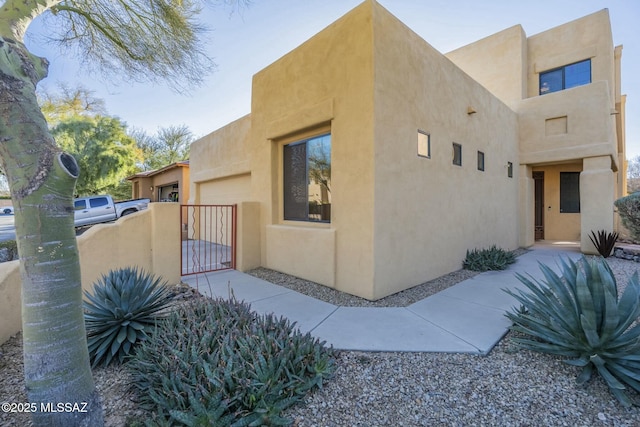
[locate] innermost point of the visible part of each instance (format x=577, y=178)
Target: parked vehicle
x=95, y=209
x=7, y=210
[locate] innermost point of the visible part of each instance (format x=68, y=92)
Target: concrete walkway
x=465, y=318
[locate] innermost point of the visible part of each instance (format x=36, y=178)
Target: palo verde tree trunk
x=42, y=181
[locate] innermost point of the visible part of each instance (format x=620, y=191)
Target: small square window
x=510, y=169
x=480, y=161
x=457, y=154
x=424, y=144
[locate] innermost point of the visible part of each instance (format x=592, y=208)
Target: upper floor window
x=307, y=179
x=566, y=77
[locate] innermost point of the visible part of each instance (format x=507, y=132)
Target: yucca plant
x=122, y=310
x=493, y=258
x=604, y=242
x=578, y=315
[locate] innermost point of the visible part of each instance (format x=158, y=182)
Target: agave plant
x=493, y=258
x=604, y=242
x=578, y=316
x=121, y=312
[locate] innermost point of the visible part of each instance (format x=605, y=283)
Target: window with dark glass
x=510, y=169
x=480, y=161
x=566, y=77
x=569, y=192
x=457, y=154
x=96, y=202
x=307, y=179
x=80, y=204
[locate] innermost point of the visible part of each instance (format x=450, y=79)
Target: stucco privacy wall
x=149, y=240
x=326, y=84
x=428, y=211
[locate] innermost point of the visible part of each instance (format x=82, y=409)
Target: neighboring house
x=371, y=162
x=167, y=184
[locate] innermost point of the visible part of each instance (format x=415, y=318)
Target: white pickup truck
x=95, y=209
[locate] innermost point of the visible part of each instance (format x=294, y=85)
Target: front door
x=538, y=179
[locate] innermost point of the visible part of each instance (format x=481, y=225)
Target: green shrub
x=578, y=316
x=629, y=210
x=11, y=250
x=493, y=258
x=120, y=313
x=217, y=363
x=604, y=242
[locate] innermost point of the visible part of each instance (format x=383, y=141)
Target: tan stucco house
x=167, y=184
x=371, y=162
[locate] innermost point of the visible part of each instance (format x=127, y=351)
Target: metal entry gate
x=208, y=238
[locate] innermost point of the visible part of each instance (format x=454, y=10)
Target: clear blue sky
x=244, y=43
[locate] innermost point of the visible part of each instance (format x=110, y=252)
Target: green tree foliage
x=169, y=145
x=105, y=153
x=629, y=211
x=633, y=175
x=69, y=103
x=136, y=40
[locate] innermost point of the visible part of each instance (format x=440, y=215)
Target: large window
x=566, y=77
x=569, y=192
x=307, y=179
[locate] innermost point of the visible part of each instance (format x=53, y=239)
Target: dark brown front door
x=538, y=179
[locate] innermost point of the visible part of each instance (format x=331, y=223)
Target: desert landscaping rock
x=508, y=387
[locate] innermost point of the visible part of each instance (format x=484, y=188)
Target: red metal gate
x=208, y=238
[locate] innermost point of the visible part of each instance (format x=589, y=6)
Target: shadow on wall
x=149, y=240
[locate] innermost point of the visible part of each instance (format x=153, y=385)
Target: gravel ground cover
x=508, y=387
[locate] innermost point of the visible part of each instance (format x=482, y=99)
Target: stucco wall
x=570, y=124
x=10, y=300
x=149, y=240
x=325, y=84
x=498, y=62
x=226, y=190
x=583, y=38
x=428, y=212
x=223, y=153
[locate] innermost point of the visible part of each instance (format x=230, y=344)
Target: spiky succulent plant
x=215, y=362
x=122, y=310
x=604, y=242
x=493, y=258
x=578, y=315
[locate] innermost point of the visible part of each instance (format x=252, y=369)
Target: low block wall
x=149, y=240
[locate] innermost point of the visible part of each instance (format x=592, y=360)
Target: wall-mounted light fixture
x=471, y=110
x=151, y=188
